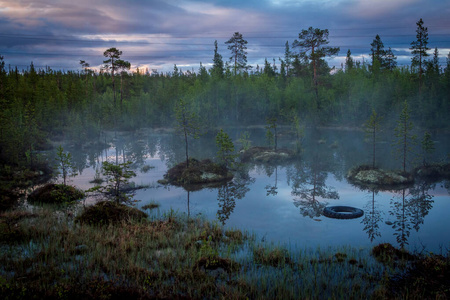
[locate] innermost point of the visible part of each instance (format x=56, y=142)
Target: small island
x=368, y=175
x=266, y=155
x=197, y=172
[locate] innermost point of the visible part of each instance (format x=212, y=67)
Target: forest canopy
x=41, y=103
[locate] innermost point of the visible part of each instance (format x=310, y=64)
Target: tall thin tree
x=113, y=55
x=419, y=49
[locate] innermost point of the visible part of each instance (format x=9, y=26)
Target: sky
x=155, y=35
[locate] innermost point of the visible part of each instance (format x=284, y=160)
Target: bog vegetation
x=57, y=255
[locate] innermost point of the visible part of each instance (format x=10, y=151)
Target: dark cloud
x=162, y=33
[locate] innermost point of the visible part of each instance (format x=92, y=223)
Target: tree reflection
x=272, y=190
x=401, y=225
x=228, y=193
x=421, y=202
x=308, y=185
x=410, y=212
x=372, y=216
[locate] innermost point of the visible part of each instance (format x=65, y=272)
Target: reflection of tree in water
x=412, y=211
x=372, y=216
x=401, y=225
x=229, y=193
x=272, y=189
x=308, y=184
x=420, y=203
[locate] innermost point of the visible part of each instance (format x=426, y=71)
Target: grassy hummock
x=52, y=193
x=109, y=212
x=198, y=173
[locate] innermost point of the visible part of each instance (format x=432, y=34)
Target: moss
x=107, y=212
x=55, y=194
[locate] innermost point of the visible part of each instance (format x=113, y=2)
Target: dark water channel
x=284, y=203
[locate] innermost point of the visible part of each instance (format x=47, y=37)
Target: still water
x=284, y=203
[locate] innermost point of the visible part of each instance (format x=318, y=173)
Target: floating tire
x=342, y=212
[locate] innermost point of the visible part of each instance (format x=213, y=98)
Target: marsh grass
x=173, y=256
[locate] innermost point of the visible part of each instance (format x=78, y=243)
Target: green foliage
x=312, y=47
x=371, y=129
x=405, y=139
x=226, y=148
x=64, y=164
x=117, y=177
x=245, y=141
x=427, y=147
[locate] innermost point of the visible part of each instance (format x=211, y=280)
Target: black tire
x=342, y=212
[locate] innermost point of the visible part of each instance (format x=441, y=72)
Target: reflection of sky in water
x=276, y=218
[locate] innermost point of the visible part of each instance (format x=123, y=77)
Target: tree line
x=41, y=103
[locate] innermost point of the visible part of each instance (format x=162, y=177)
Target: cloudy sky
x=156, y=34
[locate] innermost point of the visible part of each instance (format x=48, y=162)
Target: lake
x=284, y=203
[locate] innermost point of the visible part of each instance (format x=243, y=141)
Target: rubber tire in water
x=342, y=212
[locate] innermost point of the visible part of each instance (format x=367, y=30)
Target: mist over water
x=284, y=203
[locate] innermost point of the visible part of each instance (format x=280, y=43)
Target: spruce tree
x=419, y=49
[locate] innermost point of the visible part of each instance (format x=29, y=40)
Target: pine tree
x=311, y=43
x=237, y=45
x=113, y=55
x=371, y=128
x=65, y=164
x=427, y=147
x=226, y=148
x=404, y=137
x=188, y=124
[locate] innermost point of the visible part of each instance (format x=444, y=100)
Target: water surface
x=284, y=203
